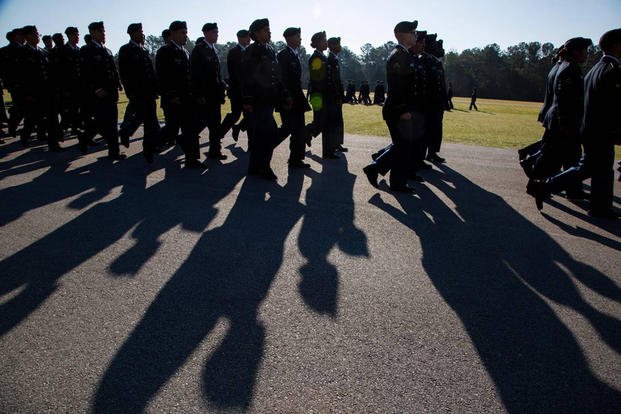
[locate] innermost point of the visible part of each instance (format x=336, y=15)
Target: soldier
x=293, y=120
x=100, y=82
x=69, y=79
x=561, y=146
x=262, y=91
x=350, y=96
x=473, y=100
x=364, y=94
x=449, y=96
x=172, y=66
x=166, y=36
x=208, y=88
x=379, y=94
x=318, y=72
x=9, y=65
x=420, y=90
x=402, y=111
x=436, y=100
x=233, y=63
x=333, y=132
x=599, y=130
x=58, y=39
x=32, y=82
x=140, y=84
x=47, y=42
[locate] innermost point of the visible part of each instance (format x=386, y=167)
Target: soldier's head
x=19, y=37
x=10, y=36
x=58, y=39
x=405, y=33
x=430, y=42
x=88, y=38
x=260, y=31
x=73, y=35
x=334, y=44
x=210, y=32
x=421, y=39
x=610, y=43
x=135, y=33
x=31, y=34
x=576, y=50
x=293, y=37
x=243, y=37
x=319, y=41
x=178, y=32
x=166, y=36
x=47, y=41
x=97, y=32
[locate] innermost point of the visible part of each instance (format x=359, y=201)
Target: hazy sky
x=461, y=23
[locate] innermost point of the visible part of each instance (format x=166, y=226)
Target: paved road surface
x=127, y=287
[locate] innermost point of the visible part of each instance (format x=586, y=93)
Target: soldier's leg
x=232, y=117
x=147, y=113
x=214, y=124
x=601, y=157
x=106, y=119
x=189, y=134
x=297, y=143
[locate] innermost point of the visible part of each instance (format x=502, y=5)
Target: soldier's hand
x=406, y=116
x=101, y=93
x=248, y=108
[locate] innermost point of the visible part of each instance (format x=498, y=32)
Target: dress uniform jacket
x=172, y=66
x=566, y=110
x=98, y=70
x=206, y=75
x=137, y=72
x=549, y=95
x=291, y=70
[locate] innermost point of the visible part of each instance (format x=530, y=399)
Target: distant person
x=449, y=96
x=140, y=83
x=318, y=73
x=364, y=96
x=379, y=94
x=473, y=100
x=47, y=42
x=436, y=100
x=69, y=81
x=350, y=95
x=334, y=130
x=233, y=63
x=561, y=146
x=599, y=132
x=293, y=119
x=166, y=36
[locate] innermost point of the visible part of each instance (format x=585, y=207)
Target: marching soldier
x=34, y=87
x=172, y=66
x=208, y=88
x=436, y=100
x=364, y=94
x=402, y=111
x=262, y=91
x=233, y=63
x=318, y=71
x=333, y=131
x=101, y=84
x=293, y=119
x=166, y=36
x=9, y=64
x=473, y=100
x=350, y=97
x=69, y=79
x=47, y=42
x=379, y=94
x=140, y=84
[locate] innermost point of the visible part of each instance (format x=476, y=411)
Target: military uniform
x=32, y=84
x=262, y=89
x=172, y=66
x=318, y=72
x=9, y=57
x=364, y=94
x=436, y=102
x=140, y=82
x=379, y=95
x=333, y=133
x=293, y=119
x=69, y=82
x=98, y=72
x=208, y=90
x=233, y=63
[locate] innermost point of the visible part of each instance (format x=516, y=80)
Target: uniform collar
x=613, y=58
x=295, y=51
x=242, y=47
x=334, y=54
x=96, y=43
x=135, y=44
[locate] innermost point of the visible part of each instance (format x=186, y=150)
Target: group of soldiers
x=414, y=108
x=364, y=95
x=579, y=113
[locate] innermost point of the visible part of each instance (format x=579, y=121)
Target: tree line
x=517, y=73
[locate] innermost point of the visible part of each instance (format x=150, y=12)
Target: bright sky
x=462, y=24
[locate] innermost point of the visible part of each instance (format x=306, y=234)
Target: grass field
x=502, y=124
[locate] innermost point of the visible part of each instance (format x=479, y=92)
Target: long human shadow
x=33, y=272
x=328, y=222
x=227, y=275
x=492, y=266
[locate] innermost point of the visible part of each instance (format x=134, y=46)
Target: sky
x=462, y=24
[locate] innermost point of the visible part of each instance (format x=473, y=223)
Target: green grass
x=502, y=124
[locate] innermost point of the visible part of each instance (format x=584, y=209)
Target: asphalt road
x=130, y=287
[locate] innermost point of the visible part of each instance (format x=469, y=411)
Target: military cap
x=242, y=33
x=258, y=25
x=10, y=36
x=577, y=43
x=96, y=26
x=177, y=25
x=334, y=41
x=210, y=26
x=18, y=31
x=421, y=35
x=46, y=37
x=291, y=31
x=406, y=27
x=29, y=29
x=609, y=38
x=57, y=37
x=133, y=28
x=71, y=30
x=431, y=37
x=317, y=37
x=165, y=33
